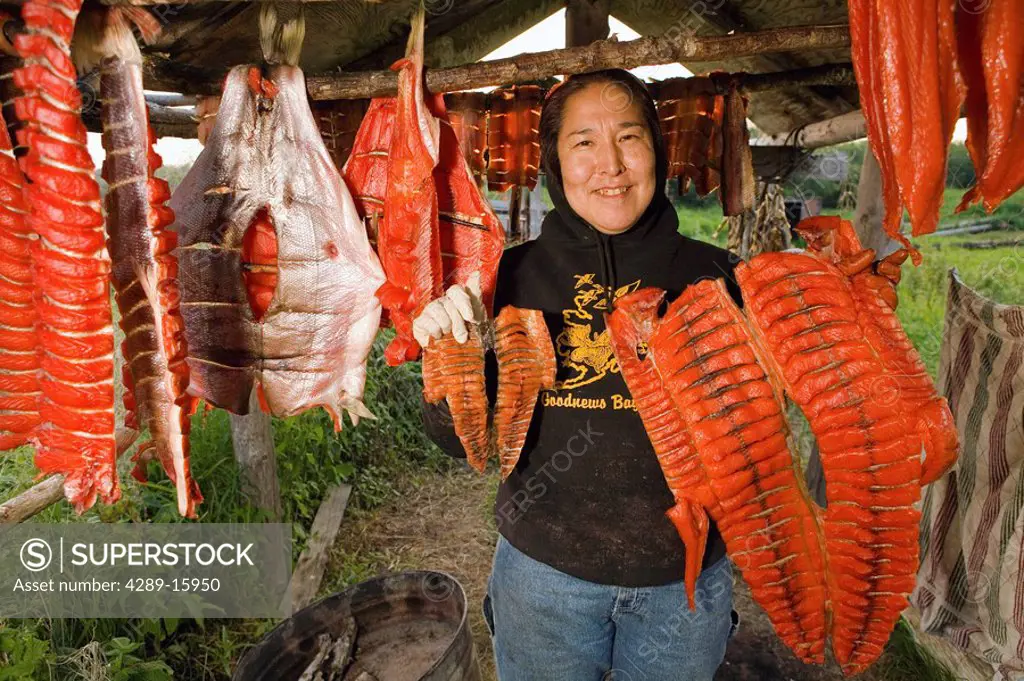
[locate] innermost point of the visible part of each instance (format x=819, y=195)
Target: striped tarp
x=970, y=586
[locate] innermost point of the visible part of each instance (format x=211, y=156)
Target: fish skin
x=311, y=347
x=144, y=274
x=408, y=240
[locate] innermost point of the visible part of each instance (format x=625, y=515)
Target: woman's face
x=607, y=157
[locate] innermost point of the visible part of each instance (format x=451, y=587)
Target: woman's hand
x=451, y=313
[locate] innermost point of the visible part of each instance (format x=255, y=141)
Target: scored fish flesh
x=71, y=266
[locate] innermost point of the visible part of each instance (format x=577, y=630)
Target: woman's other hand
x=451, y=313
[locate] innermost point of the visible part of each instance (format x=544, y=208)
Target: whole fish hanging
x=277, y=273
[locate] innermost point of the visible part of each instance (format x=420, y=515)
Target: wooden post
x=585, y=21
x=867, y=218
x=253, y=442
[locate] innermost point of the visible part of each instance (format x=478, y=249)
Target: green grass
x=906, y=660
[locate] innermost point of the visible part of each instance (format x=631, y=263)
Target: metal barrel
x=409, y=626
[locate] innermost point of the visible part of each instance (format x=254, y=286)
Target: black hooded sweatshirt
x=588, y=496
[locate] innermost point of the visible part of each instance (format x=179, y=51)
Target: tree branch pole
x=844, y=128
x=44, y=494
x=602, y=54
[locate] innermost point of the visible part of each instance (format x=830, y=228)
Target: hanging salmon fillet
x=513, y=137
x=806, y=312
x=471, y=239
x=904, y=58
x=71, y=267
x=737, y=174
x=277, y=273
x=731, y=408
x=408, y=241
x=339, y=121
x=630, y=327
x=990, y=39
x=471, y=236
x=144, y=270
x=366, y=170
x=526, y=365
x=19, y=386
x=907, y=380
x=690, y=113
x=455, y=371
x=467, y=112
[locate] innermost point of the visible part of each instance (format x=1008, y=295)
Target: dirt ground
x=443, y=523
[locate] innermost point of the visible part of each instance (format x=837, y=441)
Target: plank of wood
x=602, y=54
x=309, y=571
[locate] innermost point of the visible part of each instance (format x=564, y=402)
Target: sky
x=547, y=35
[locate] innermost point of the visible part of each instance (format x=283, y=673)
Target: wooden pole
x=843, y=128
x=44, y=494
x=602, y=54
x=585, y=21
x=867, y=218
x=252, y=438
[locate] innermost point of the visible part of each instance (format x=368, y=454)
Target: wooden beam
x=827, y=74
x=468, y=31
x=586, y=21
x=166, y=122
x=170, y=99
x=599, y=55
x=844, y=128
x=44, y=494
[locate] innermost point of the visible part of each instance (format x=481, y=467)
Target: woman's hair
x=631, y=89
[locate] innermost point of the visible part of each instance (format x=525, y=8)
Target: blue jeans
x=549, y=626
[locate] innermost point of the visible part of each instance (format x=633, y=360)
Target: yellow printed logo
x=585, y=354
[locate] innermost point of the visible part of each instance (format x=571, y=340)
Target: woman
x=587, y=576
